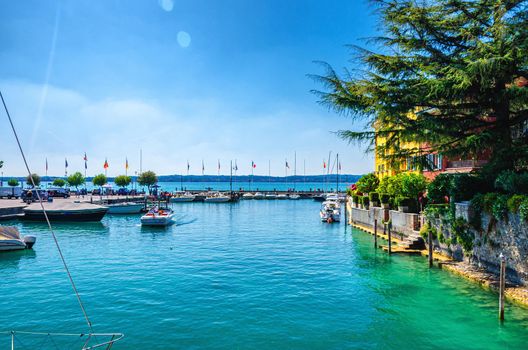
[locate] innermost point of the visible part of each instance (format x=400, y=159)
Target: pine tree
x=449, y=74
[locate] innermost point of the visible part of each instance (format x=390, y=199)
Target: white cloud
x=169, y=132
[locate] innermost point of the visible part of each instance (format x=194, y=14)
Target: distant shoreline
x=226, y=178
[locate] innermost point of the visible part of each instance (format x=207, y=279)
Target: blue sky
x=180, y=80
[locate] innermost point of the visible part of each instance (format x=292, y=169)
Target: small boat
x=65, y=211
x=248, y=195
x=330, y=211
x=217, y=197
x=258, y=195
x=270, y=196
x=180, y=197
x=10, y=239
x=294, y=196
x=125, y=208
x=158, y=217
x=319, y=197
x=282, y=196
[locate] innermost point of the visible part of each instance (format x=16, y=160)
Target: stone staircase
x=412, y=242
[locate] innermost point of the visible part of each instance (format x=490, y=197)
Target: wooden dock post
x=390, y=237
x=375, y=233
x=502, y=285
x=430, y=242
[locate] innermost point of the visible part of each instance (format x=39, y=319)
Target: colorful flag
x=324, y=164
x=126, y=163
x=105, y=164
x=188, y=166
x=339, y=165
x=253, y=165
x=287, y=165
x=203, y=167
x=85, y=161
x=65, y=162
x=236, y=166
x=218, y=164
x=85, y=157
x=46, y=165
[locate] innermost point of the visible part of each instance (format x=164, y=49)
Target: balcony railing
x=466, y=163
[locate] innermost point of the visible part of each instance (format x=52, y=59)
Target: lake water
x=248, y=275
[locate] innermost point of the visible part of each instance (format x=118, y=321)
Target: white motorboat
x=10, y=239
x=330, y=211
x=158, y=217
x=294, y=196
x=248, y=195
x=125, y=208
x=282, y=196
x=180, y=197
x=258, y=195
x=217, y=197
x=270, y=196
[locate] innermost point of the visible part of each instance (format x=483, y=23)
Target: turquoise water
x=250, y=275
x=255, y=186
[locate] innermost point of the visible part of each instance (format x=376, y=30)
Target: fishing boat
x=125, y=208
x=158, y=217
x=217, y=197
x=10, y=239
x=65, y=211
x=181, y=197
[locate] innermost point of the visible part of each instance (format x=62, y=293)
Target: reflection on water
x=11, y=259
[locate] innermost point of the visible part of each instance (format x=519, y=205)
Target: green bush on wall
x=365, y=201
x=511, y=182
x=385, y=198
x=374, y=197
x=355, y=199
x=514, y=202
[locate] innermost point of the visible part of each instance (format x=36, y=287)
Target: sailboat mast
x=337, y=181
x=294, y=169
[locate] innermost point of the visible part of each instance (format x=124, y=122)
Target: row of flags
x=235, y=167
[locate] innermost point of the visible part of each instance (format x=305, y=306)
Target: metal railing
x=83, y=341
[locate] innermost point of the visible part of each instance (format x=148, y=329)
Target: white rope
x=46, y=216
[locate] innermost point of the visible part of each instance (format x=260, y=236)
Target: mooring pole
x=375, y=233
x=390, y=237
x=430, y=239
x=12, y=340
x=502, y=285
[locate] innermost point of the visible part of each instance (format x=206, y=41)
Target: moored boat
x=180, y=197
x=65, y=211
x=248, y=195
x=258, y=195
x=330, y=211
x=270, y=196
x=125, y=208
x=217, y=197
x=282, y=196
x=10, y=239
x=158, y=217
x=294, y=196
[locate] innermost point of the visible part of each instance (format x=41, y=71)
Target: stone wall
x=509, y=237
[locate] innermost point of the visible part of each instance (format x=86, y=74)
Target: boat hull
x=217, y=200
x=181, y=199
x=66, y=215
x=125, y=209
x=11, y=244
x=148, y=220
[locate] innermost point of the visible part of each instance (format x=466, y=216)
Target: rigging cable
x=46, y=216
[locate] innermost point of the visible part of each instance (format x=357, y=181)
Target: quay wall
x=508, y=237
x=404, y=224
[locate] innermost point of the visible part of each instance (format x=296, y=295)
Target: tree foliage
x=13, y=182
x=35, y=182
x=148, y=178
x=59, y=182
x=123, y=180
x=448, y=74
x=76, y=179
x=99, y=180
x=367, y=183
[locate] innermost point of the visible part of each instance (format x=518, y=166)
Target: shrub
x=463, y=235
x=514, y=202
x=511, y=182
x=76, y=179
x=440, y=188
x=403, y=184
x=59, y=182
x=477, y=204
x=365, y=201
x=368, y=183
x=13, y=182
x=499, y=208
x=35, y=178
x=374, y=197
x=355, y=199
x=384, y=198
x=426, y=229
x=523, y=210
x=436, y=210
x=403, y=201
x=488, y=201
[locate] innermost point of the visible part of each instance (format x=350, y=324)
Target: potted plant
x=374, y=199
x=385, y=200
x=355, y=200
x=403, y=204
x=366, y=202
